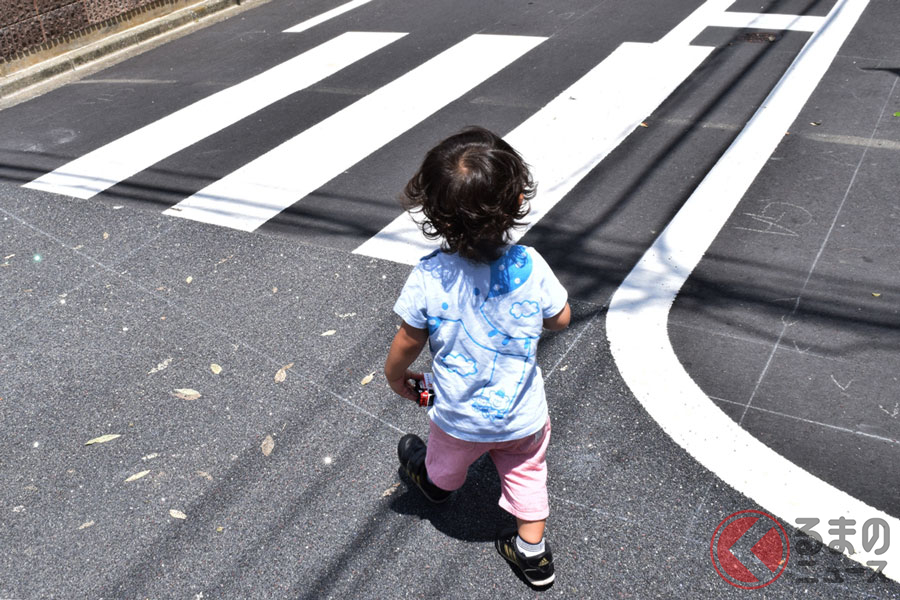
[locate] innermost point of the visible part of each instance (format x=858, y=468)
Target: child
x=481, y=303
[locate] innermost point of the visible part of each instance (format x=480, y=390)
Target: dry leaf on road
x=187, y=394
x=368, y=378
x=137, y=476
x=216, y=369
x=282, y=373
x=268, y=445
x=160, y=366
x=103, y=439
x=86, y=525
x=329, y=332
x=390, y=490
x=177, y=514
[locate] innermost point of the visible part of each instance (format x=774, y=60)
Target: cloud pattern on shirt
x=460, y=364
x=522, y=310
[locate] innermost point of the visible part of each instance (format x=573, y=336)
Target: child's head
x=472, y=189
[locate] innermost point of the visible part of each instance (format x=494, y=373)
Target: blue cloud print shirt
x=484, y=322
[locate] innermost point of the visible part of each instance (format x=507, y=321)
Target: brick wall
x=32, y=26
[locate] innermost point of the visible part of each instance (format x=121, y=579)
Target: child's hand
x=403, y=388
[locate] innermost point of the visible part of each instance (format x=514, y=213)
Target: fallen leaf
x=216, y=369
x=274, y=290
x=876, y=294
x=390, y=490
x=86, y=525
x=268, y=445
x=177, y=514
x=281, y=374
x=103, y=438
x=105, y=235
x=815, y=123
x=8, y=256
x=368, y=378
x=329, y=332
x=220, y=529
x=187, y=394
x=205, y=475
x=897, y=114
x=160, y=366
x=644, y=125
x=189, y=279
x=137, y=476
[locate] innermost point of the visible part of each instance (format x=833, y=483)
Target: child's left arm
x=405, y=348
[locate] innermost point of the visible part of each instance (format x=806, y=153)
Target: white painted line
x=253, y=194
x=697, y=21
x=96, y=171
x=571, y=135
x=310, y=23
x=767, y=21
x=638, y=316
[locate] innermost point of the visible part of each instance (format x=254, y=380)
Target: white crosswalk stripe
x=250, y=196
x=98, y=170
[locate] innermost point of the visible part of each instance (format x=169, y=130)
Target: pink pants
x=520, y=464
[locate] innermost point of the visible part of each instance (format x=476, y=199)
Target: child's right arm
x=405, y=348
x=560, y=320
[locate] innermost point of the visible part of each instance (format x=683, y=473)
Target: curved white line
x=638, y=317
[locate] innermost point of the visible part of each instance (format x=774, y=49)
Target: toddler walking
x=481, y=303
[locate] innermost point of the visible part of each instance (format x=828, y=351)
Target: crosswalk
x=563, y=141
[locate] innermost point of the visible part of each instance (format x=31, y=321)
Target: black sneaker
x=538, y=570
x=411, y=451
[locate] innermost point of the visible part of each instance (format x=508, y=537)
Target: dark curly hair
x=472, y=190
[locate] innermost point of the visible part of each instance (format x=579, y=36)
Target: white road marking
x=567, y=138
x=96, y=171
x=638, y=315
x=253, y=194
x=772, y=22
x=310, y=23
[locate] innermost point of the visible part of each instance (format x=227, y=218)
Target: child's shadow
x=471, y=514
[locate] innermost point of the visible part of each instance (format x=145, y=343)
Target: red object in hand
x=425, y=389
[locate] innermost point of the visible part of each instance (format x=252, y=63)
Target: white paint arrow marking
x=638, y=316
x=255, y=193
x=571, y=135
x=98, y=170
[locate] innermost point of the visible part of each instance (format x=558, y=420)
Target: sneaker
x=538, y=570
x=411, y=451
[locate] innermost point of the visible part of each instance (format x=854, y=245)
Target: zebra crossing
x=562, y=141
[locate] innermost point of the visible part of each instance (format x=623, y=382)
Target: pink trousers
x=520, y=464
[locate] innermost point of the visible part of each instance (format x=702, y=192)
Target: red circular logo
x=749, y=549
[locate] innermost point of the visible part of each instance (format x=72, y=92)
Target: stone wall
x=29, y=27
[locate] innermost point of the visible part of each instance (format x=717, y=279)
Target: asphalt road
x=282, y=473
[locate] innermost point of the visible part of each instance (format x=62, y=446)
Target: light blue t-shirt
x=484, y=322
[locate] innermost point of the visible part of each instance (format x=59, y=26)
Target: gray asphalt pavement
x=235, y=367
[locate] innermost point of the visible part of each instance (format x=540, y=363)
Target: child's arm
x=560, y=321
x=405, y=348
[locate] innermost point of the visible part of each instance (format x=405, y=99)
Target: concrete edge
x=136, y=39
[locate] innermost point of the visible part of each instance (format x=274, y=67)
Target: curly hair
x=472, y=190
